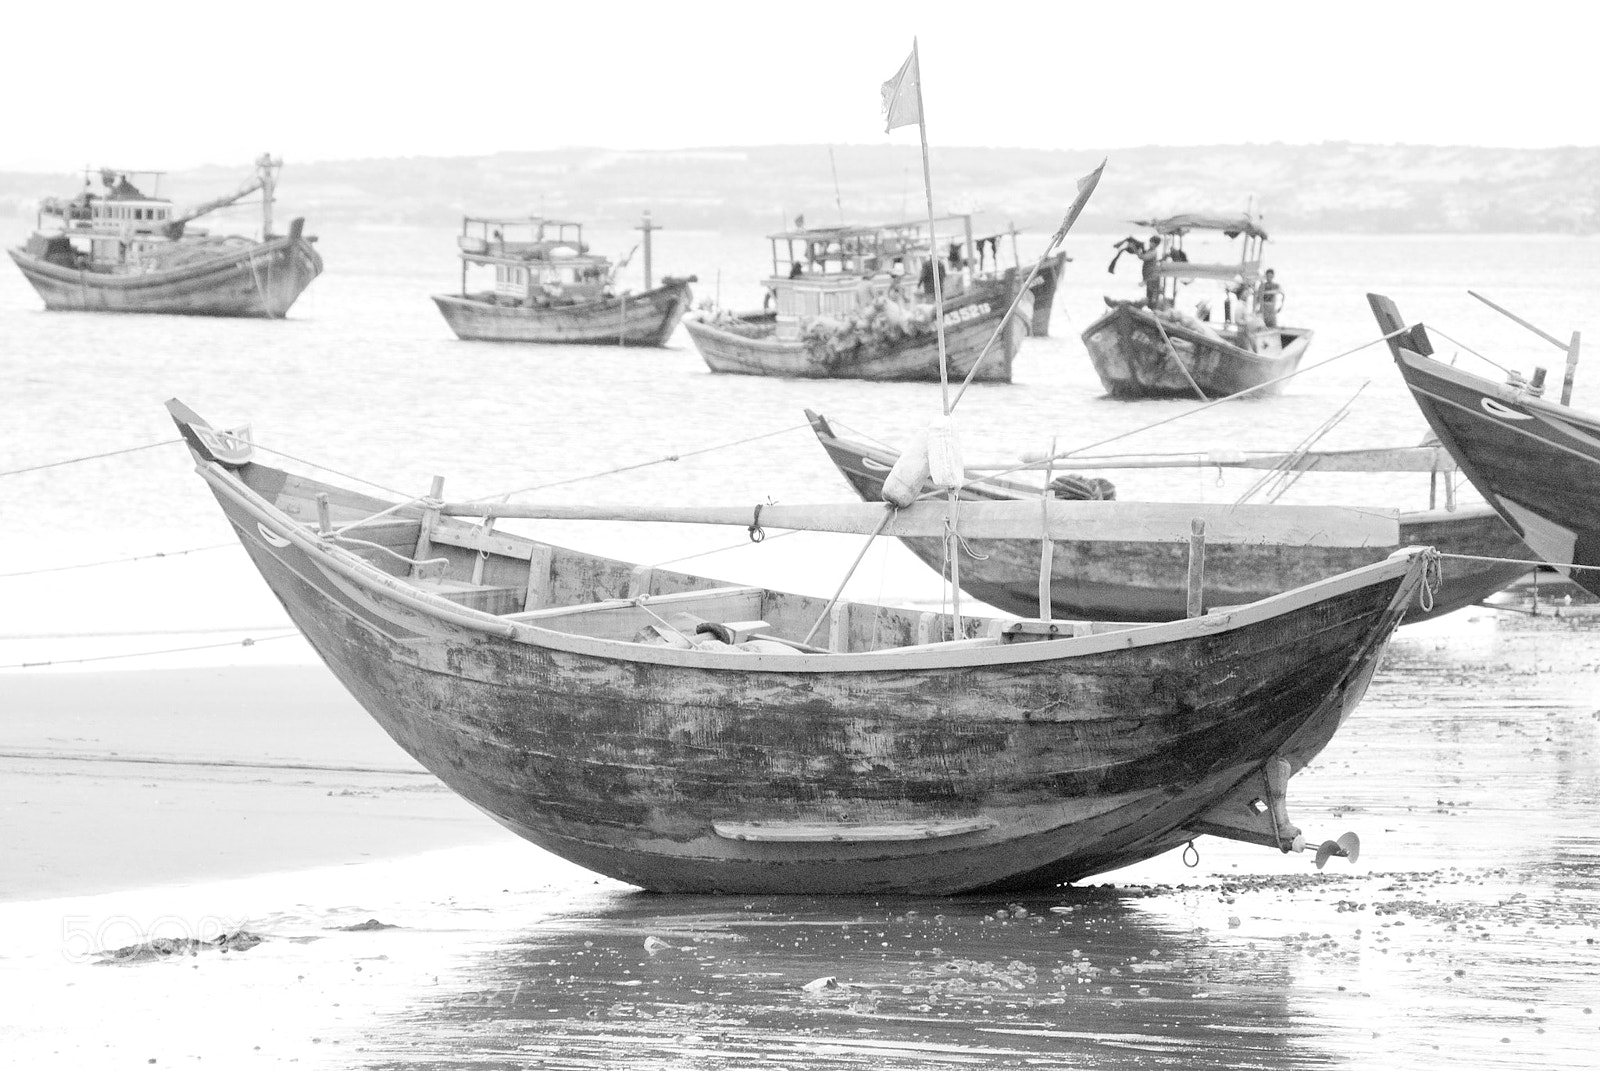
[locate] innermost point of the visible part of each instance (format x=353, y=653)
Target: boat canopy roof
x=908, y=226
x=518, y=221
x=1246, y=271
x=1232, y=226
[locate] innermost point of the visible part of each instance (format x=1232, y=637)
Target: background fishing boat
x=1534, y=460
x=119, y=249
x=857, y=303
x=1167, y=346
x=548, y=287
x=679, y=734
x=1150, y=580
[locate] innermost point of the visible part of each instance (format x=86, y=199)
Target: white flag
x=902, y=95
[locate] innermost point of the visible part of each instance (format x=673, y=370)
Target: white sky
x=172, y=85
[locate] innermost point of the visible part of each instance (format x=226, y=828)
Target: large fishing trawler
x=114, y=247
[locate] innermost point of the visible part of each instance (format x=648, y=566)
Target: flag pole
x=933, y=241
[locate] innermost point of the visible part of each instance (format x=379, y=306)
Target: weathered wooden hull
x=1149, y=581
x=643, y=319
x=927, y=770
x=969, y=324
x=1133, y=360
x=1535, y=461
x=262, y=279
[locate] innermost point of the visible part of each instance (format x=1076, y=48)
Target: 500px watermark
x=85, y=938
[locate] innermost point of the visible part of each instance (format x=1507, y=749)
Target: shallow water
x=1465, y=932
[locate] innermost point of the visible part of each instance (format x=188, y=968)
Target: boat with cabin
x=548, y=287
x=120, y=246
x=857, y=302
x=1182, y=341
x=684, y=734
x=1151, y=580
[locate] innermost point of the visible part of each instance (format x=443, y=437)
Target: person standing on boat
x=1271, y=299
x=1149, y=268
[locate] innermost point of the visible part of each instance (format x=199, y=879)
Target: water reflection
x=1087, y=978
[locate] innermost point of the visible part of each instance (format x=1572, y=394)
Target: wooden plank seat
x=624, y=619
x=490, y=598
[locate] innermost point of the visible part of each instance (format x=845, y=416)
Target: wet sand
x=1466, y=933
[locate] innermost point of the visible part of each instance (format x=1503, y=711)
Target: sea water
x=1466, y=932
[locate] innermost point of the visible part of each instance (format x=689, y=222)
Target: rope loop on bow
x=756, y=532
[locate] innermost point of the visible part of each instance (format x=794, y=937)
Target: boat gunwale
x=133, y=281
x=584, y=306
x=945, y=655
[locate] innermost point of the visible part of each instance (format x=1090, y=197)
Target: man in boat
x=926, y=281
x=1271, y=299
x=1149, y=263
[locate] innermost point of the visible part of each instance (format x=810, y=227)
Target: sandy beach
x=193, y=804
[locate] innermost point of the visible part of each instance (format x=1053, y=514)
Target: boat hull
x=970, y=322
x=643, y=319
x=1536, y=462
x=262, y=279
x=1044, y=293
x=1146, y=582
x=926, y=771
x=1133, y=360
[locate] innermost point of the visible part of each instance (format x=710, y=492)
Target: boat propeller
x=1348, y=845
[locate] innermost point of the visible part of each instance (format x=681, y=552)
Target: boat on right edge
x=1152, y=348
x=1536, y=461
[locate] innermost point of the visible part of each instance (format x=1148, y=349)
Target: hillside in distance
x=1328, y=187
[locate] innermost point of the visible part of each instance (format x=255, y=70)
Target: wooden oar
x=1134, y=522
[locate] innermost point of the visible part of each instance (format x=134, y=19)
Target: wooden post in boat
x=268, y=184
x=1197, y=566
x=324, y=516
x=1047, y=546
x=1572, y=369
x=1016, y=258
x=430, y=517
x=647, y=227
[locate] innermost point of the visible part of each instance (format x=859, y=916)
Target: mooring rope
x=119, y=561
x=89, y=457
x=1534, y=563
x=1197, y=409
x=248, y=641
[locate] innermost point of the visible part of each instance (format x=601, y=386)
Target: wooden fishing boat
x=677, y=733
x=1155, y=348
x=1535, y=460
x=857, y=303
x=548, y=287
x=1148, y=580
x=122, y=250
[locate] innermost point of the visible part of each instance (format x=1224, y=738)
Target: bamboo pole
x=933, y=241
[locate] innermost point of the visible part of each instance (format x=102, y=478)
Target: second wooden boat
x=1148, y=580
x=1158, y=348
x=1534, y=460
x=549, y=288
x=680, y=734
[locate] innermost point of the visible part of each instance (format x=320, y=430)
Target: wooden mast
x=647, y=227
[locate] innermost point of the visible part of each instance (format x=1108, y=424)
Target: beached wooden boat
x=857, y=303
x=1148, y=580
x=1159, y=348
x=548, y=287
x=1535, y=460
x=122, y=250
x=674, y=732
